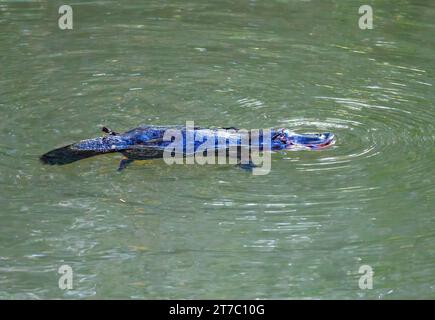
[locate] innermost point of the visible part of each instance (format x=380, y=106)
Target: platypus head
x=315, y=141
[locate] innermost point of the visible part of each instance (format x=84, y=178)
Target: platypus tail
x=85, y=149
x=67, y=155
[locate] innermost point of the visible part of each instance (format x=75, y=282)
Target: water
x=156, y=231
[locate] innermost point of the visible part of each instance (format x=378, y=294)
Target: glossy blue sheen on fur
x=153, y=137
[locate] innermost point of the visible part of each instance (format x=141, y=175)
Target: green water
x=158, y=231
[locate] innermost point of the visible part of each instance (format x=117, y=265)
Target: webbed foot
x=247, y=166
x=109, y=131
x=124, y=163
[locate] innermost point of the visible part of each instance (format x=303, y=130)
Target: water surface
x=158, y=231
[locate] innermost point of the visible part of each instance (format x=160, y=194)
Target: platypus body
x=149, y=142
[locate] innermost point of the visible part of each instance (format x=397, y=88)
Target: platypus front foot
x=247, y=166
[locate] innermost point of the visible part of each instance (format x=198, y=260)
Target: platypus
x=149, y=142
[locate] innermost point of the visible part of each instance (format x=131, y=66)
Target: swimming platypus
x=149, y=142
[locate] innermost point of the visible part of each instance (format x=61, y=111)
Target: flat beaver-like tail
x=67, y=155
